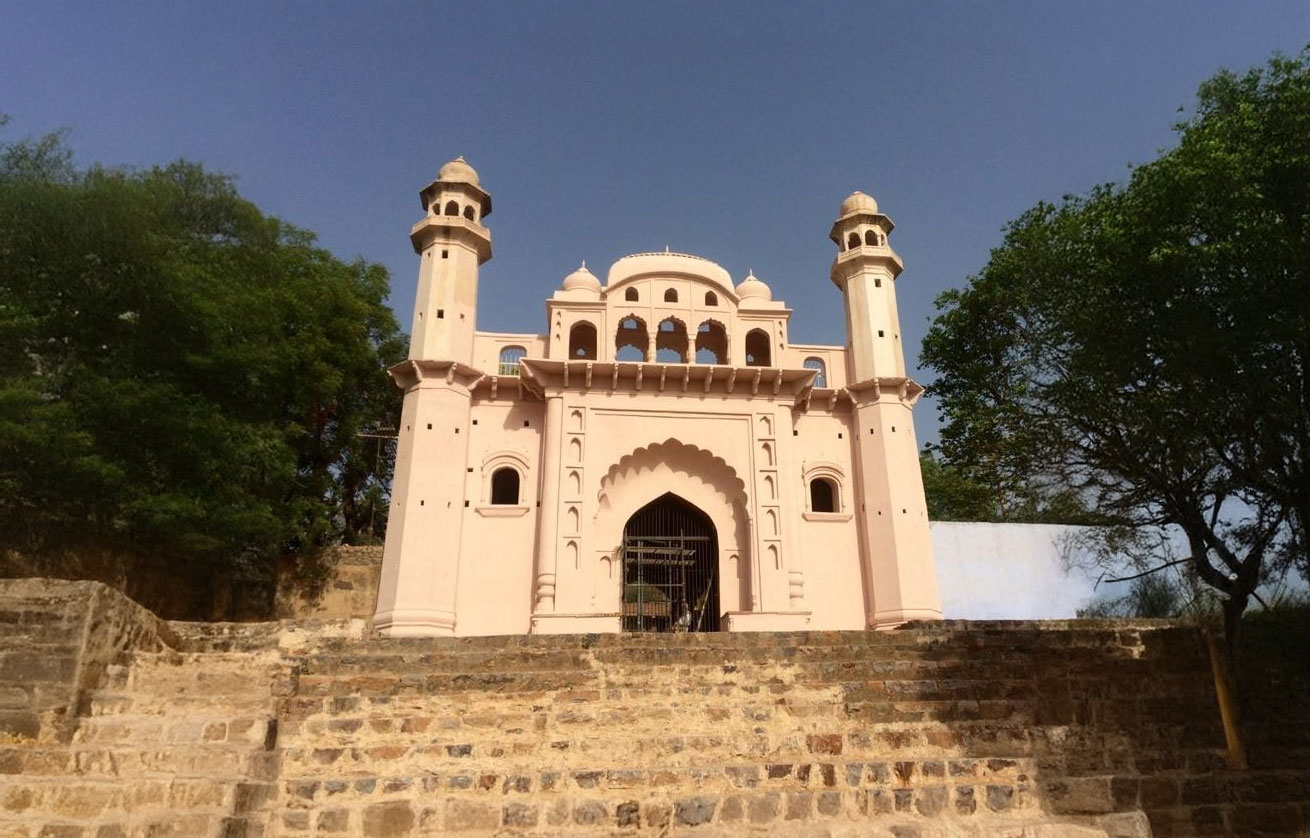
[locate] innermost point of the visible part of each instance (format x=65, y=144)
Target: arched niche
x=582, y=342
x=758, y=351
x=711, y=343
x=631, y=340
x=671, y=341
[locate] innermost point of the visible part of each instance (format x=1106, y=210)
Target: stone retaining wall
x=297, y=729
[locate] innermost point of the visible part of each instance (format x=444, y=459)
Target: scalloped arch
x=710, y=468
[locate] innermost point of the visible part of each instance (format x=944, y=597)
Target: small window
x=853, y=241
x=468, y=212
x=711, y=299
x=816, y=364
x=509, y=359
x=670, y=296
x=870, y=238
x=630, y=295
x=757, y=348
x=582, y=342
x=452, y=208
x=823, y=497
x=505, y=487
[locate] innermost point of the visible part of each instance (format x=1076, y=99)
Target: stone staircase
x=170, y=744
x=1022, y=730
x=907, y=733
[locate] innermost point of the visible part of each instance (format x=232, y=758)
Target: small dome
x=752, y=288
x=858, y=202
x=458, y=171
x=582, y=280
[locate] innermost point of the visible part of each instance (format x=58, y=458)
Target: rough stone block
x=763, y=808
x=391, y=820
x=694, y=811
x=590, y=812
x=930, y=801
x=1000, y=798
x=799, y=805
x=627, y=814
x=519, y=815
x=466, y=815
x=829, y=803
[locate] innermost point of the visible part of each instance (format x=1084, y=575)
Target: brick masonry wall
x=351, y=589
x=974, y=729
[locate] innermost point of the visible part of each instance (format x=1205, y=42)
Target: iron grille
x=670, y=569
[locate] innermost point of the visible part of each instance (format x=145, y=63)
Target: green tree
x=1144, y=345
x=180, y=375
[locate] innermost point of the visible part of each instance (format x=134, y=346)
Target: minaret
x=451, y=243
x=899, y=569
x=420, y=562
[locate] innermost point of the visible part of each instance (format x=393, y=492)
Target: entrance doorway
x=670, y=568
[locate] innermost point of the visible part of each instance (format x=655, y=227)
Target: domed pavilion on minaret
x=661, y=458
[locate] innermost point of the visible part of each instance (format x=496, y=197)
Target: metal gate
x=670, y=568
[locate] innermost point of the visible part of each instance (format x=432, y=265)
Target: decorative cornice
x=874, y=389
x=633, y=376
x=454, y=228
x=410, y=374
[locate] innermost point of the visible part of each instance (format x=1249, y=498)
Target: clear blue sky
x=729, y=130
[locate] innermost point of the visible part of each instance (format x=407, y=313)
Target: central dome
x=668, y=264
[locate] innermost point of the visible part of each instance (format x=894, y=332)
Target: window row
x=672, y=346
x=452, y=209
x=824, y=495
x=872, y=238
x=670, y=296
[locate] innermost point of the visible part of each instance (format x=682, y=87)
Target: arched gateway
x=670, y=568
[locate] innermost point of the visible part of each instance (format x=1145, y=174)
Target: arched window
x=505, y=487
x=823, y=495
x=870, y=238
x=468, y=212
x=582, y=342
x=711, y=343
x=757, y=348
x=452, y=208
x=853, y=240
x=711, y=299
x=670, y=295
x=816, y=364
x=671, y=342
x=509, y=359
x=631, y=341
x=630, y=295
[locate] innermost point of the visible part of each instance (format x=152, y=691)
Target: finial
x=666, y=248
x=461, y=159
x=584, y=265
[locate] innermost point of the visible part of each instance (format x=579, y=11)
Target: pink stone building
x=662, y=458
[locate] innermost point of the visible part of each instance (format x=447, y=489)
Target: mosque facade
x=661, y=458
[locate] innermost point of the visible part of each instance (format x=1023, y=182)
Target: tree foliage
x=180, y=374
x=1144, y=345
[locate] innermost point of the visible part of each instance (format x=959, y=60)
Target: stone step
x=86, y=798
x=660, y=810
x=191, y=672
x=181, y=761
x=145, y=730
